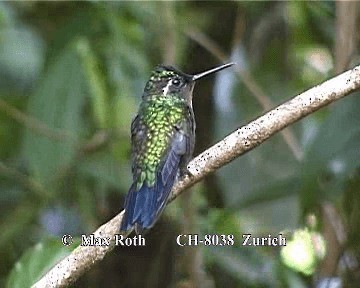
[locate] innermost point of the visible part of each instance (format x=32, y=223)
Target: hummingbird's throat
x=166, y=88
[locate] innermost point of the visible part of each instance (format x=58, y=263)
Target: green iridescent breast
x=159, y=115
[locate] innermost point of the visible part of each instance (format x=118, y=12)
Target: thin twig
x=346, y=36
x=25, y=180
x=333, y=231
x=33, y=123
x=168, y=32
x=237, y=143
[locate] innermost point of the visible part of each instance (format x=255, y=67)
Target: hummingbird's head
x=169, y=81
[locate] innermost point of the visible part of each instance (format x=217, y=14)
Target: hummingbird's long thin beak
x=216, y=69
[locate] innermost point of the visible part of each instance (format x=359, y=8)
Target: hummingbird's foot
x=186, y=173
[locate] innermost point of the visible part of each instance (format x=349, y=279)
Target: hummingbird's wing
x=145, y=204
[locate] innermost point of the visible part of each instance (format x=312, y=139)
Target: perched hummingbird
x=162, y=140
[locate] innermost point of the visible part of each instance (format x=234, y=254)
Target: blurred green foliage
x=71, y=77
x=36, y=261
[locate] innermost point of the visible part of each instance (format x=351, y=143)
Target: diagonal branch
x=237, y=143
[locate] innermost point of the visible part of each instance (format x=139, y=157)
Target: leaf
x=20, y=64
x=339, y=135
x=95, y=82
x=293, y=279
x=221, y=221
x=245, y=265
x=17, y=221
x=57, y=103
x=36, y=261
x=273, y=191
x=334, y=153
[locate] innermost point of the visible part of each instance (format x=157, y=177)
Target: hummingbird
x=162, y=143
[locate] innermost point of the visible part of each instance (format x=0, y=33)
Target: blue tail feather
x=143, y=207
x=130, y=201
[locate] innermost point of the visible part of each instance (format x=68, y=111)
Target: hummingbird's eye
x=176, y=82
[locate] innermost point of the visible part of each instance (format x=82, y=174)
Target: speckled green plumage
x=158, y=115
x=162, y=142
